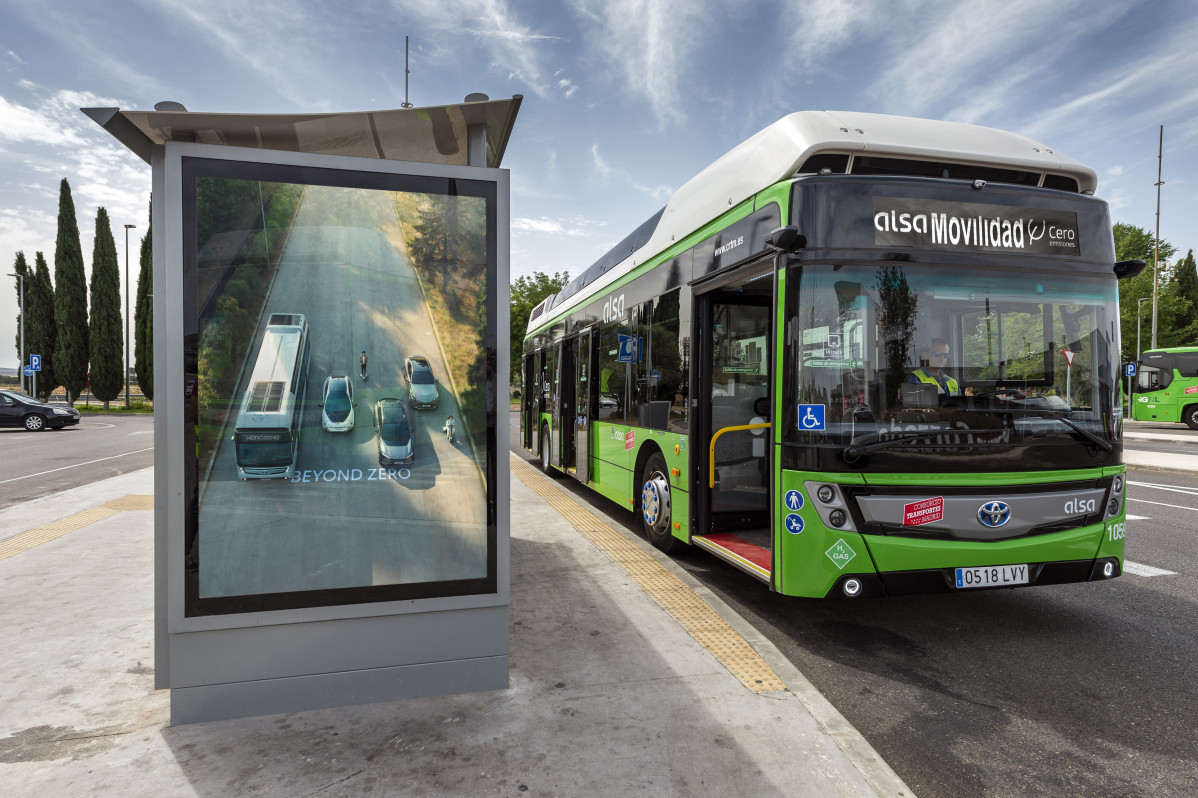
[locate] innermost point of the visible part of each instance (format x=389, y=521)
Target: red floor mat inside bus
x=742, y=548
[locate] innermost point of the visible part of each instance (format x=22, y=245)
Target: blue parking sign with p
x=35, y=362
x=1129, y=370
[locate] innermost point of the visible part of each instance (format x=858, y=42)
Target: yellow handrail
x=714, y=438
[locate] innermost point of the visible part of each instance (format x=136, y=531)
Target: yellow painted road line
x=44, y=534
x=692, y=612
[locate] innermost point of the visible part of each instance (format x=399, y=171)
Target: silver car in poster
x=394, y=433
x=337, y=409
x=422, y=385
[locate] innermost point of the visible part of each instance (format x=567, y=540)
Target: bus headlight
x=837, y=518
x=1108, y=569
x=1117, y=484
x=825, y=494
x=1112, y=507
x=852, y=587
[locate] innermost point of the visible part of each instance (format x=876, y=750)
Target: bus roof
x=844, y=142
x=269, y=396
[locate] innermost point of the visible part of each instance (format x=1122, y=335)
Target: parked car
x=394, y=433
x=337, y=413
x=19, y=410
x=422, y=385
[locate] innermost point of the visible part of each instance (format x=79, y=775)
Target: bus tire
x=655, y=506
x=1190, y=416
x=545, y=466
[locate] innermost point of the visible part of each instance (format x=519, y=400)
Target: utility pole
x=406, y=72
x=21, y=371
x=1156, y=245
x=128, y=351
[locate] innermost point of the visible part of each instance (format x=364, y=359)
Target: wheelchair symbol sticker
x=794, y=500
x=811, y=418
x=794, y=524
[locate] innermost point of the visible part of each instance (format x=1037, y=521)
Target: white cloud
x=823, y=26
x=13, y=56
x=513, y=47
x=575, y=226
x=650, y=46
x=1114, y=170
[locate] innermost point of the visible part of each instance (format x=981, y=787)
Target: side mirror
x=785, y=238
x=1125, y=269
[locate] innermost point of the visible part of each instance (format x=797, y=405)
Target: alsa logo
x=613, y=308
x=1079, y=506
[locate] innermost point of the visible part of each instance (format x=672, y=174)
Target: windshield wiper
x=872, y=443
x=1105, y=445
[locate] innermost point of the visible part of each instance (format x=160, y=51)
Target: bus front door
x=732, y=428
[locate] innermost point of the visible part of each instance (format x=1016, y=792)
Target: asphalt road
x=345, y=524
x=1082, y=689
x=36, y=464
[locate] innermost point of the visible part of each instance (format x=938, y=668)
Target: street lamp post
x=1139, y=302
x=21, y=277
x=128, y=351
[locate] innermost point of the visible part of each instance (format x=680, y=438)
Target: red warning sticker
x=629, y=440
x=1192, y=389
x=924, y=512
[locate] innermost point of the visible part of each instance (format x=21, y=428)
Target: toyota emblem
x=994, y=514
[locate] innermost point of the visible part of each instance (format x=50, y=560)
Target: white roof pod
x=777, y=152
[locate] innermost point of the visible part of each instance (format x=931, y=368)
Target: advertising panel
x=339, y=359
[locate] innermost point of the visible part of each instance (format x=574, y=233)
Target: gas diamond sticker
x=840, y=553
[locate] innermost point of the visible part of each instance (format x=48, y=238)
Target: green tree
x=40, y=330
x=1173, y=311
x=143, y=317
x=22, y=286
x=527, y=293
x=1186, y=275
x=105, y=332
x=70, y=300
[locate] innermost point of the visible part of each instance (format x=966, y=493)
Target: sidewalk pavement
x=609, y=693
x=1169, y=461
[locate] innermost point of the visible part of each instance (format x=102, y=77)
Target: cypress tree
x=40, y=329
x=105, y=333
x=143, y=315
x=70, y=300
x=21, y=269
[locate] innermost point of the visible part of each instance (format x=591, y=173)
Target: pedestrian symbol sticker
x=811, y=418
x=794, y=524
x=840, y=553
x=794, y=500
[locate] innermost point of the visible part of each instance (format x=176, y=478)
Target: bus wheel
x=545, y=452
x=1190, y=416
x=656, y=512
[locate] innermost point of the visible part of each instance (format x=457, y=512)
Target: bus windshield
x=915, y=362
x=262, y=455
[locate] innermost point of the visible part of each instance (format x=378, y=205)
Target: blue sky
x=624, y=99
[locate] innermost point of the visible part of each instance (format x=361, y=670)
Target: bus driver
x=936, y=356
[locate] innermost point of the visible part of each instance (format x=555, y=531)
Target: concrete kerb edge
x=873, y=768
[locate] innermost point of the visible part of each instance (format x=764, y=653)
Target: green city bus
x=1165, y=387
x=751, y=370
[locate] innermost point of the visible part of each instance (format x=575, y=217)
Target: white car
x=337, y=409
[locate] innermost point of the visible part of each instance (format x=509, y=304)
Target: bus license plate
x=992, y=575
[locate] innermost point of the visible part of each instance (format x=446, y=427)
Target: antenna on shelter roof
x=406, y=72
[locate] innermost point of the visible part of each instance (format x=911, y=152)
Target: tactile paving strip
x=44, y=534
x=692, y=612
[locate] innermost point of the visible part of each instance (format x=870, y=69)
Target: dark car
x=393, y=432
x=19, y=410
x=422, y=385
